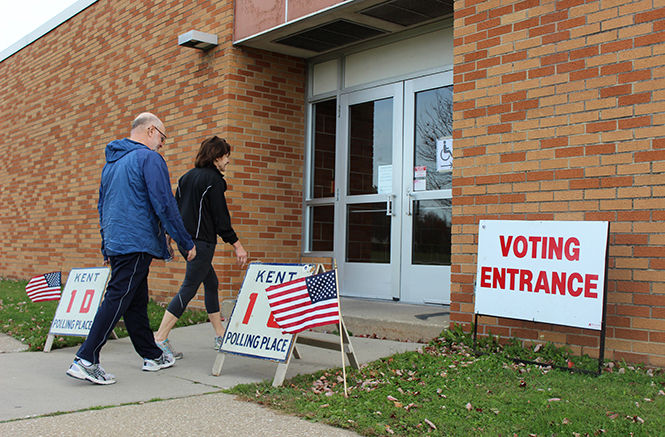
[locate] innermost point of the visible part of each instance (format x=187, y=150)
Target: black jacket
x=202, y=204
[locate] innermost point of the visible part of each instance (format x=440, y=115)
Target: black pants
x=126, y=296
x=198, y=270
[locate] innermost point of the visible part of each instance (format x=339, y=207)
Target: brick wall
x=78, y=87
x=559, y=115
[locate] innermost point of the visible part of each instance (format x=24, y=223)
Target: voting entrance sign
x=252, y=330
x=78, y=303
x=542, y=271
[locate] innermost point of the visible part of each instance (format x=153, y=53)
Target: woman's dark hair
x=210, y=150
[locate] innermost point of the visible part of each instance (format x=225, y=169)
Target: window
x=319, y=206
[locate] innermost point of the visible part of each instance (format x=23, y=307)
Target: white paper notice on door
x=385, y=184
x=444, y=154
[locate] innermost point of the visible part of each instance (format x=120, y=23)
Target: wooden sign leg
x=219, y=362
x=49, y=343
x=280, y=373
x=348, y=347
x=333, y=345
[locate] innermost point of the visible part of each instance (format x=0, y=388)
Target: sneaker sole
x=159, y=367
x=83, y=377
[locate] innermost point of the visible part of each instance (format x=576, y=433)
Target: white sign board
x=251, y=330
x=543, y=271
x=79, y=301
x=385, y=182
x=444, y=154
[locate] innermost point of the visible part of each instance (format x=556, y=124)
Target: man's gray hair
x=145, y=119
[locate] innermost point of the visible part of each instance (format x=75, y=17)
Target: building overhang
x=345, y=24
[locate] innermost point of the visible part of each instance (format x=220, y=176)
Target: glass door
x=427, y=190
x=370, y=175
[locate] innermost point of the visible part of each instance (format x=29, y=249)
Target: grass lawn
x=446, y=390
x=30, y=322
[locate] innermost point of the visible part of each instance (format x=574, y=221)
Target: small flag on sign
x=44, y=287
x=305, y=303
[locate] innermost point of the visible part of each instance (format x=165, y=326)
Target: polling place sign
x=542, y=271
x=252, y=330
x=79, y=301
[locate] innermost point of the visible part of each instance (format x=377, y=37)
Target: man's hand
x=168, y=246
x=191, y=254
x=241, y=253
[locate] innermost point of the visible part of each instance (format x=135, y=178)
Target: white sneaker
x=93, y=373
x=218, y=342
x=164, y=361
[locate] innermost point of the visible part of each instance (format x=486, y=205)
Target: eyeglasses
x=160, y=132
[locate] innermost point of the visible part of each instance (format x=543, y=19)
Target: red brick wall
x=560, y=115
x=78, y=87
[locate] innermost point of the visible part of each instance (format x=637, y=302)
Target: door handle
x=409, y=202
x=389, y=205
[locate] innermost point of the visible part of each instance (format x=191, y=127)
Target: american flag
x=44, y=287
x=305, y=303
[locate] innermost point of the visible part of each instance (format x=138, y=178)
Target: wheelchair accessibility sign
x=444, y=154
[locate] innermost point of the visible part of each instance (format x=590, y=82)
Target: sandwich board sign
x=251, y=330
x=543, y=271
x=79, y=302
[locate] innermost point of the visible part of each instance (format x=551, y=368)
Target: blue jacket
x=136, y=204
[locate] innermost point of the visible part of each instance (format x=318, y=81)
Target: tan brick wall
x=78, y=87
x=559, y=115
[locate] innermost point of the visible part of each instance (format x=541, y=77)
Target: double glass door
x=393, y=191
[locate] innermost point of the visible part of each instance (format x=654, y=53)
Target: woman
x=202, y=204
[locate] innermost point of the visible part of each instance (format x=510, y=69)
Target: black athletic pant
x=126, y=296
x=198, y=270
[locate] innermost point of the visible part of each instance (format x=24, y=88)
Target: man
x=135, y=206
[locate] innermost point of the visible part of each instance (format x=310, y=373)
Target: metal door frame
x=369, y=276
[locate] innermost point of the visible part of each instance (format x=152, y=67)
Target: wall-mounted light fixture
x=198, y=40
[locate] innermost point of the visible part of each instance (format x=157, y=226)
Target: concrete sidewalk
x=35, y=384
